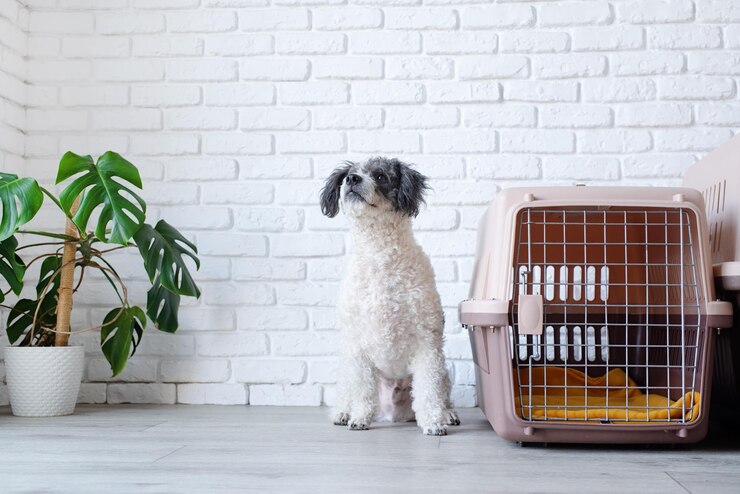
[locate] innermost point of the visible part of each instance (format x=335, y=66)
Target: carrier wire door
x=608, y=330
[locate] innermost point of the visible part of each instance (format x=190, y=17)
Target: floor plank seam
x=679, y=483
x=170, y=453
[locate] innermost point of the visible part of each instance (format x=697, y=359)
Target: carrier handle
x=719, y=314
x=489, y=312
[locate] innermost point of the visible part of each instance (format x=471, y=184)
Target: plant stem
x=38, y=245
x=66, y=281
x=47, y=234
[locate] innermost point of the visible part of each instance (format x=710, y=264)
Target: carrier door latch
x=529, y=315
x=719, y=314
x=491, y=313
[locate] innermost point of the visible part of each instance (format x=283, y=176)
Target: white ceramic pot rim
x=15, y=348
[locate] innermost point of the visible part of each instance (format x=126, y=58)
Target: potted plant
x=43, y=372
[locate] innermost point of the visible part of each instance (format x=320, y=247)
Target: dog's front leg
x=356, y=396
x=430, y=391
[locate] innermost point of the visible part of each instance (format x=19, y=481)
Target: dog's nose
x=353, y=179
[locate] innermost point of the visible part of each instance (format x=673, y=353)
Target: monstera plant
x=106, y=188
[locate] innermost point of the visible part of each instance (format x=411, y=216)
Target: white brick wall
x=237, y=110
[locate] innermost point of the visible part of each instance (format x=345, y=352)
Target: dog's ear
x=411, y=188
x=330, y=192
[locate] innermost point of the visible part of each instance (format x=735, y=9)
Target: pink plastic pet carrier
x=591, y=315
x=717, y=176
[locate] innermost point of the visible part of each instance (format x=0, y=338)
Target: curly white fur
x=391, y=322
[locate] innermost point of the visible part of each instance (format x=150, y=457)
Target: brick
x=198, y=218
x=310, y=43
x=195, y=319
x=274, y=119
x=731, y=37
x=276, y=167
x=272, y=318
x=511, y=166
x=202, y=70
x=43, y=96
x=212, y=394
x=178, y=345
x=608, y=38
x=137, y=370
x=455, y=141
x=346, y=18
x=710, y=63
x=615, y=141
x=655, y=11
x=89, y=393
x=718, y=114
x=282, y=69
x=371, y=43
x=94, y=96
x=97, y=47
x=325, y=269
x=348, y=68
x=61, y=22
x=201, y=22
x=237, y=144
x=56, y=120
x=580, y=168
x=164, y=4
x=575, y=116
x=684, y=37
x=194, y=371
x=165, y=144
x=541, y=91
x=419, y=68
x=273, y=19
x=268, y=219
x=654, y=115
x=384, y=142
x=314, y=142
x=656, y=165
x=270, y=371
x=235, y=244
x=463, y=92
x=125, y=23
x=695, y=88
x=574, y=13
x=493, y=67
x=242, y=94
x=569, y=66
x=43, y=46
x=458, y=43
x=464, y=243
x=691, y=139
x=200, y=118
x=247, y=269
x=647, y=63
x=618, y=90
x=237, y=193
x=170, y=46
x=421, y=117
x=238, y=294
x=498, y=16
x=138, y=119
x=373, y=93
x=231, y=344
x=240, y=45
x=141, y=393
x=420, y=18
x=500, y=116
x=165, y=95
x=323, y=372
x=537, y=141
x=347, y=118
x=129, y=70
x=718, y=11
x=276, y=395
x=308, y=245
x=305, y=344
x=527, y=41
x=56, y=71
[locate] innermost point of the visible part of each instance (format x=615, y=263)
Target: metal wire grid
x=644, y=320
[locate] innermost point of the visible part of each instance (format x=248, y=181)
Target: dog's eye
x=380, y=177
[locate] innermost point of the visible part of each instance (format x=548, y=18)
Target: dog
x=389, y=311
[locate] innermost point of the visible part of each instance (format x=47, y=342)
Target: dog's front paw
x=358, y=425
x=451, y=418
x=341, y=418
x=434, y=430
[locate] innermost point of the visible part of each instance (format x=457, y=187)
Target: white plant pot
x=43, y=381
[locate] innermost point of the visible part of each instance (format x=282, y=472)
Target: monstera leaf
x=162, y=306
x=119, y=213
x=12, y=268
x=20, y=318
x=163, y=248
x=119, y=334
x=20, y=200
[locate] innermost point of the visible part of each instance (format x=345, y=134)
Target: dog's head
x=375, y=187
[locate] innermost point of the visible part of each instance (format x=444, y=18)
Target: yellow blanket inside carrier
x=589, y=398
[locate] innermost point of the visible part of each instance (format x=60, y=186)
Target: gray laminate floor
x=177, y=449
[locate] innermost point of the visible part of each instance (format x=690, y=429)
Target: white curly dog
x=389, y=310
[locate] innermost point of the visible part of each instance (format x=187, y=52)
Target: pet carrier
x=591, y=315
x=717, y=176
